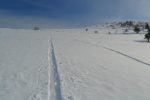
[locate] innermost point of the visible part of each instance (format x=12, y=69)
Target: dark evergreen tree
x=86, y=29
x=137, y=29
x=36, y=28
x=147, y=36
x=147, y=26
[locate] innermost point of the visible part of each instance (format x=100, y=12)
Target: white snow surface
x=72, y=64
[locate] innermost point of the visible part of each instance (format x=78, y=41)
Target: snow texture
x=74, y=64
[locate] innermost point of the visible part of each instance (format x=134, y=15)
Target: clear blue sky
x=71, y=12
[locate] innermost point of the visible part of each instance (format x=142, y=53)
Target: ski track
x=54, y=85
x=118, y=52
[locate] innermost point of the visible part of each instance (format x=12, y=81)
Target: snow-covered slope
x=23, y=65
x=72, y=64
x=102, y=66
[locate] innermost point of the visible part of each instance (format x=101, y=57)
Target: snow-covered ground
x=23, y=65
x=72, y=64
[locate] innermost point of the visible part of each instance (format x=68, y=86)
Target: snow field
x=73, y=65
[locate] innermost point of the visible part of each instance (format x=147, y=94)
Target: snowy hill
x=74, y=64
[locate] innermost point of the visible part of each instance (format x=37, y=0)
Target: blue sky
x=70, y=12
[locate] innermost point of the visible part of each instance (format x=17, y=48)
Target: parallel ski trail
x=127, y=56
x=115, y=51
x=54, y=88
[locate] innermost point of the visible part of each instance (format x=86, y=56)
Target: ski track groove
x=54, y=85
x=115, y=51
